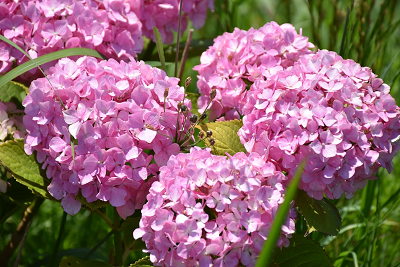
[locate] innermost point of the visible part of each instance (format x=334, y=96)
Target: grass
x=366, y=31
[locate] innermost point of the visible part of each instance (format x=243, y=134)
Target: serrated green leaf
x=92, y=205
x=160, y=47
x=72, y=261
x=321, y=215
x=25, y=169
x=225, y=135
x=12, y=91
x=144, y=262
x=302, y=252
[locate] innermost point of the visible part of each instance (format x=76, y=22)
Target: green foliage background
x=366, y=31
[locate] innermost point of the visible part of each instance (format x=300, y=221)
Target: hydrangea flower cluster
x=333, y=112
x=40, y=27
x=242, y=57
x=208, y=210
x=11, y=121
x=113, y=28
x=165, y=16
x=103, y=130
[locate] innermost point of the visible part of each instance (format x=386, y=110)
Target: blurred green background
x=366, y=31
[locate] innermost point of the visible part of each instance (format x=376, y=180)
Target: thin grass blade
x=160, y=47
x=269, y=245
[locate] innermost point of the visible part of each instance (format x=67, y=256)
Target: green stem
x=19, y=233
x=98, y=245
x=58, y=241
x=117, y=239
x=105, y=217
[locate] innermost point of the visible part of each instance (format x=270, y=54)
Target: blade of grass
x=33, y=63
x=160, y=48
x=177, y=41
x=269, y=245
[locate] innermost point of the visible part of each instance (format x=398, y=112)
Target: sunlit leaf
x=144, y=262
x=25, y=169
x=225, y=135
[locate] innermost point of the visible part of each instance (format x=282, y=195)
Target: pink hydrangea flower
x=40, y=27
x=240, y=58
x=100, y=129
x=208, y=210
x=333, y=112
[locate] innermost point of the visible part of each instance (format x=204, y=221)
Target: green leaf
x=92, y=205
x=17, y=193
x=144, y=262
x=302, y=252
x=13, y=91
x=281, y=215
x=321, y=215
x=225, y=135
x=72, y=261
x=160, y=47
x=128, y=226
x=25, y=169
x=157, y=64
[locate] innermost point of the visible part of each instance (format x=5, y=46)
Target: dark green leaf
x=72, y=261
x=92, y=205
x=160, y=47
x=25, y=169
x=321, y=215
x=302, y=252
x=17, y=193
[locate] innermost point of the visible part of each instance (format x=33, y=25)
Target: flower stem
x=117, y=239
x=58, y=241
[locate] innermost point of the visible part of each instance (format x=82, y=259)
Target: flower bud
x=201, y=135
x=166, y=92
x=148, y=126
x=180, y=105
x=188, y=81
x=209, y=133
x=193, y=118
x=213, y=93
x=203, y=116
x=212, y=141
